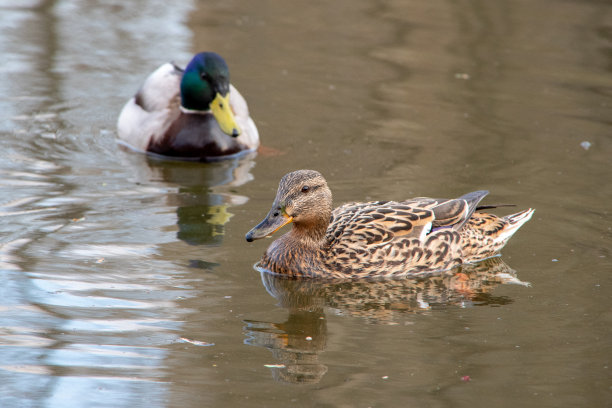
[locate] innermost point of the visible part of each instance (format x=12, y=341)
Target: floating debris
x=274, y=365
x=462, y=75
x=585, y=145
x=465, y=378
x=196, y=342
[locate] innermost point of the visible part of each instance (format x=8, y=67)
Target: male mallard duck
x=193, y=113
x=378, y=238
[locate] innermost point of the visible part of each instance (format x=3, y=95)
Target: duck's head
x=205, y=86
x=303, y=199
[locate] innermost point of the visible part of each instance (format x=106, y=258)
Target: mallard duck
x=378, y=238
x=193, y=113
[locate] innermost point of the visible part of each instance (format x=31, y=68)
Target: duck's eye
x=204, y=76
x=305, y=189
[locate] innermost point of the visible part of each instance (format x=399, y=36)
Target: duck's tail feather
x=490, y=206
x=515, y=221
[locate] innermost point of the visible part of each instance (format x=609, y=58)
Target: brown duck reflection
x=297, y=342
x=295, y=345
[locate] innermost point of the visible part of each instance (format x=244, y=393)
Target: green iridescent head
x=205, y=87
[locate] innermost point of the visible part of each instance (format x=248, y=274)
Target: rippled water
x=127, y=280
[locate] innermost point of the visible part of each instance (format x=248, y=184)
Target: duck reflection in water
x=201, y=192
x=297, y=343
x=203, y=198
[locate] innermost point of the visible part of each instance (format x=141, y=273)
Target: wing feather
x=376, y=223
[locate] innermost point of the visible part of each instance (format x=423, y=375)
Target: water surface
x=127, y=280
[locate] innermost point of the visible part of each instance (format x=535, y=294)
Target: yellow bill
x=222, y=111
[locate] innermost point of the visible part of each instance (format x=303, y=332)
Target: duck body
x=193, y=114
x=378, y=238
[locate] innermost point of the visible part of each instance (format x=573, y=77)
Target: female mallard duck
x=193, y=113
x=378, y=238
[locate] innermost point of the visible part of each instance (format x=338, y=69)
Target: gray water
x=127, y=281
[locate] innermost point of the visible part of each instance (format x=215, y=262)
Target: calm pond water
x=127, y=281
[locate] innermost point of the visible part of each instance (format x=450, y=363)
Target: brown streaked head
x=304, y=199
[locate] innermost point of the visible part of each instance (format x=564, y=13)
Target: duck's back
x=149, y=113
x=388, y=238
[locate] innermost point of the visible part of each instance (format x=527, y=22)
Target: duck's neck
x=309, y=236
x=297, y=253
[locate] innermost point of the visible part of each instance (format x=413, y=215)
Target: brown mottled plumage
x=378, y=238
